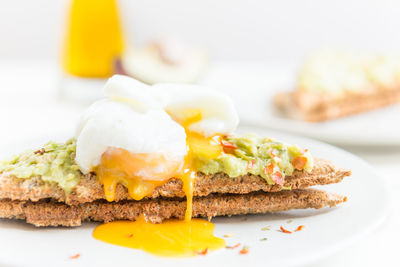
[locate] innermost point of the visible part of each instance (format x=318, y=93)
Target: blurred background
x=229, y=45
x=282, y=31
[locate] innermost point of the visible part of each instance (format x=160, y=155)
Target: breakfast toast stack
x=46, y=204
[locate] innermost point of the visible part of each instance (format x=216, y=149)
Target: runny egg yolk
x=141, y=174
x=172, y=238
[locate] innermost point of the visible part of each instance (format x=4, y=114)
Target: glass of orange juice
x=92, y=45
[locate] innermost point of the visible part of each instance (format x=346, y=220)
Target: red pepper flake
x=277, y=177
x=299, y=162
x=299, y=228
x=203, y=252
x=269, y=169
x=40, y=151
x=228, y=147
x=229, y=144
x=302, y=151
x=345, y=199
x=251, y=164
x=244, y=250
x=129, y=236
x=75, y=256
x=233, y=247
x=284, y=230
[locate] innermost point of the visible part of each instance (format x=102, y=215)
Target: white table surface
x=30, y=106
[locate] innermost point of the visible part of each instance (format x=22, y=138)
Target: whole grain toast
x=319, y=107
x=47, y=212
x=89, y=189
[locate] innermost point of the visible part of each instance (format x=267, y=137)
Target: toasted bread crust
x=89, y=189
x=51, y=213
x=319, y=107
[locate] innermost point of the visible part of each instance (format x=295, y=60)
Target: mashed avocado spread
x=259, y=156
x=55, y=162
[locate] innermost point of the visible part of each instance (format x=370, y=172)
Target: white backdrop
x=233, y=29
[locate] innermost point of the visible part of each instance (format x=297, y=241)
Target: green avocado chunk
x=262, y=156
x=53, y=163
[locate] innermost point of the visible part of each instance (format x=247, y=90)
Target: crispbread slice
x=51, y=213
x=89, y=189
x=315, y=108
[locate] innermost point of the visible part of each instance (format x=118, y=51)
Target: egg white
x=115, y=124
x=136, y=117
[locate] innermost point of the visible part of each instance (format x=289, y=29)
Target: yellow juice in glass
x=93, y=40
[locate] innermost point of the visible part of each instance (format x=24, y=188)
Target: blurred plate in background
x=253, y=86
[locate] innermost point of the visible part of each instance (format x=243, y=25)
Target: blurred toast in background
x=338, y=84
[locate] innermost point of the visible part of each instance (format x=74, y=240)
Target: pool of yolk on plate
x=172, y=238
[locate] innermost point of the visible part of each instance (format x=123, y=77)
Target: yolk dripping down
x=141, y=174
x=208, y=148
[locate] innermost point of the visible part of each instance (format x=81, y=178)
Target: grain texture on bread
x=51, y=213
x=320, y=107
x=89, y=189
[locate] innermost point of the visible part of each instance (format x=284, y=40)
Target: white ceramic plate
x=252, y=87
x=326, y=230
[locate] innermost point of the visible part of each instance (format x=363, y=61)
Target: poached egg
x=140, y=136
